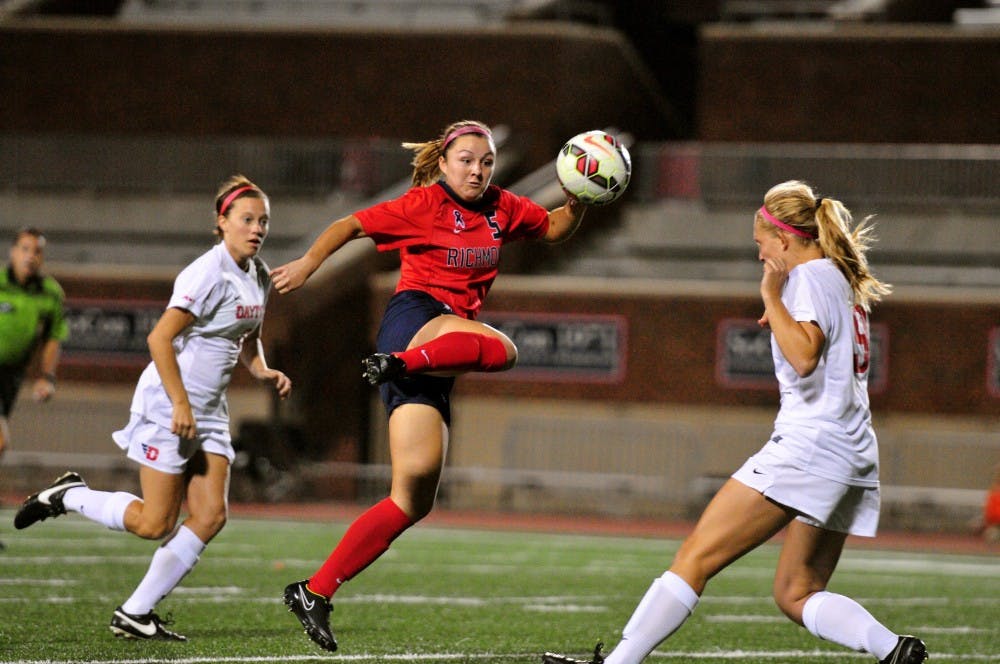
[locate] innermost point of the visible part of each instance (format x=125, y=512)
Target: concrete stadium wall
x=872, y=83
x=654, y=435
x=937, y=351
x=833, y=82
x=547, y=82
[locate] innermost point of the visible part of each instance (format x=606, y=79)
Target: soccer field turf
x=457, y=595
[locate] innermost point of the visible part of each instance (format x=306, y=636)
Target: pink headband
x=782, y=225
x=227, y=201
x=461, y=131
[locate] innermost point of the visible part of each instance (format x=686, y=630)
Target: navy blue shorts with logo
x=406, y=313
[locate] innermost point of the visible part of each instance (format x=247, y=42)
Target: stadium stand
x=679, y=236
x=383, y=14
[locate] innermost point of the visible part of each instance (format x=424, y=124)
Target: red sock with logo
x=456, y=351
x=365, y=540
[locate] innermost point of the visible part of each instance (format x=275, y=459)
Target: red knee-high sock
x=365, y=540
x=456, y=351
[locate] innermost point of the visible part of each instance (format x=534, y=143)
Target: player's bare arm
x=801, y=342
x=161, y=349
x=252, y=356
x=564, y=220
x=293, y=275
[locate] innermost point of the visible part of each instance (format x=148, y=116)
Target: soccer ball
x=594, y=167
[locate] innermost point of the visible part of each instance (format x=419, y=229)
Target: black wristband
x=51, y=377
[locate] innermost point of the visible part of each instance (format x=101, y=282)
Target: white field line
x=783, y=655
x=37, y=582
x=779, y=655
x=549, y=604
x=879, y=566
x=742, y=618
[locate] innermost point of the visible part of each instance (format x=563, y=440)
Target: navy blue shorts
x=406, y=313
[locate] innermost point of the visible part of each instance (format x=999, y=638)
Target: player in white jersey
x=179, y=426
x=818, y=474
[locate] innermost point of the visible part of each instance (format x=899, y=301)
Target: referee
x=31, y=320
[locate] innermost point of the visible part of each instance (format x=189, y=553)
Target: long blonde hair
x=828, y=222
x=425, y=155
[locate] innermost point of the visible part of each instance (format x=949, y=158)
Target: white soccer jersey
x=227, y=304
x=824, y=422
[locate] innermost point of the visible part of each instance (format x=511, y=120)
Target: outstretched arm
x=290, y=276
x=564, y=220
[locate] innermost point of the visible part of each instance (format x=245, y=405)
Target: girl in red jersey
x=449, y=229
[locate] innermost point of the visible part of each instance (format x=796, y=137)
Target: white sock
x=104, y=507
x=169, y=566
x=662, y=610
x=843, y=621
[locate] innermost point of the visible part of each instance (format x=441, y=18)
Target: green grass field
x=451, y=595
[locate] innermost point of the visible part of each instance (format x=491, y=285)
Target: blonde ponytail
x=828, y=222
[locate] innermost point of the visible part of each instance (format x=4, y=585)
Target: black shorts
x=10, y=383
x=406, y=313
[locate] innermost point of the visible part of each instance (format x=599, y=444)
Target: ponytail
x=828, y=222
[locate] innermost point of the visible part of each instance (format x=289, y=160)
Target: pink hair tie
x=227, y=201
x=782, y=225
x=462, y=131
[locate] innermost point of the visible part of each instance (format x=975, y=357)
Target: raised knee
x=511, y=358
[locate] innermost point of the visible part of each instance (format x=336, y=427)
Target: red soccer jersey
x=451, y=249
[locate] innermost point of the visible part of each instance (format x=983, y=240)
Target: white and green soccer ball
x=594, y=167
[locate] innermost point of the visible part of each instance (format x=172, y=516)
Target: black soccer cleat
x=553, y=658
x=908, y=650
x=313, y=611
x=381, y=368
x=150, y=627
x=47, y=502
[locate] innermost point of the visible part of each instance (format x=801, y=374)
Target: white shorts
x=155, y=446
x=823, y=503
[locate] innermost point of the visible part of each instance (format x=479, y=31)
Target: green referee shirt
x=28, y=314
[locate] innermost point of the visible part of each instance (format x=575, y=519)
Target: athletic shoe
x=313, y=611
x=47, y=502
x=908, y=650
x=149, y=626
x=381, y=368
x=553, y=658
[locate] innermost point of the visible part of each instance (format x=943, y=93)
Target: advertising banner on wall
x=109, y=331
x=566, y=347
x=743, y=356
